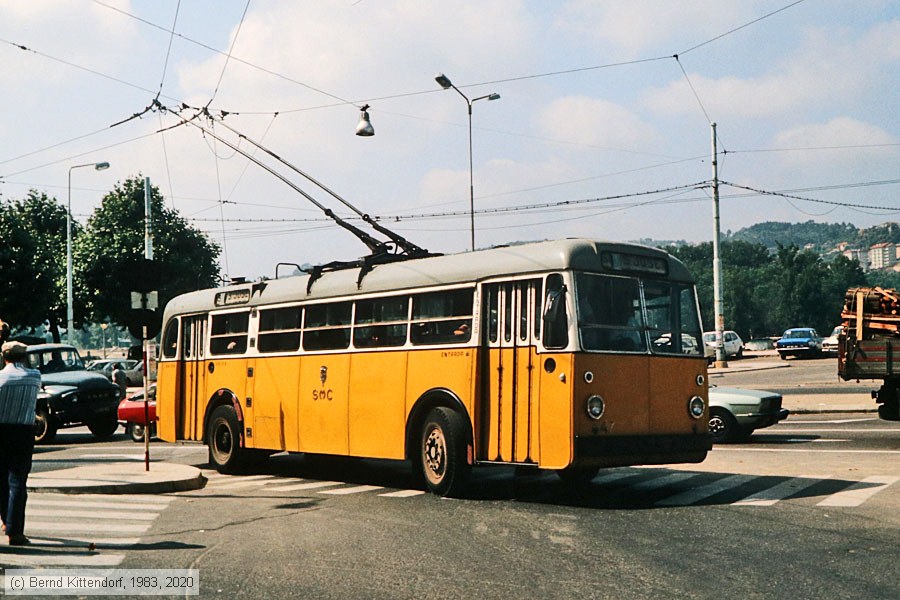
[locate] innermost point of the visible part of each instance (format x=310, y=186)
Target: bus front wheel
x=442, y=453
x=224, y=440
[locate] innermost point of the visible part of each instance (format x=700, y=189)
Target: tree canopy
x=106, y=258
x=109, y=253
x=765, y=293
x=33, y=255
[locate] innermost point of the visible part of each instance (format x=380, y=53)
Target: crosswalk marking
x=705, y=491
x=245, y=482
x=403, y=494
x=89, y=530
x=772, y=495
x=638, y=479
x=310, y=485
x=88, y=526
x=665, y=480
x=859, y=492
x=59, y=560
x=612, y=476
x=75, y=541
x=38, y=500
x=352, y=490
x=132, y=515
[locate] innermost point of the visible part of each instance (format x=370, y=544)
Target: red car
x=131, y=414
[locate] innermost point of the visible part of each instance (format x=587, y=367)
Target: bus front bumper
x=614, y=451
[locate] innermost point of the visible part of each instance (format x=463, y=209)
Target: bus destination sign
x=232, y=297
x=635, y=263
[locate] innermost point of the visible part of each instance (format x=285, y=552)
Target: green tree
x=112, y=246
x=33, y=280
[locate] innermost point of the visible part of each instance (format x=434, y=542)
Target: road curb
x=119, y=478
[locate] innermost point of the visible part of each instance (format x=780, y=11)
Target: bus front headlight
x=595, y=407
x=696, y=406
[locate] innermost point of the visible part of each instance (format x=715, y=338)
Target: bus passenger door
x=508, y=430
x=193, y=379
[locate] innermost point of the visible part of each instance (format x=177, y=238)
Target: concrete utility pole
x=718, y=301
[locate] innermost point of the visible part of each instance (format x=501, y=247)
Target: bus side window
x=556, y=327
x=327, y=326
x=381, y=322
x=279, y=329
x=442, y=317
x=170, y=339
x=229, y=333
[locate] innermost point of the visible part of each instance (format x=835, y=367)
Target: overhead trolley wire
x=228, y=55
x=162, y=79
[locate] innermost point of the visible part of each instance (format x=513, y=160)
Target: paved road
x=805, y=384
x=809, y=508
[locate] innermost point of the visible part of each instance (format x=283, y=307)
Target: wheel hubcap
x=222, y=442
x=434, y=454
x=716, y=426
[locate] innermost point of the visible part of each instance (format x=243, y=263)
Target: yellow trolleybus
x=570, y=355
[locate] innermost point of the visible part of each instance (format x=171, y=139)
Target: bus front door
x=509, y=418
x=192, y=370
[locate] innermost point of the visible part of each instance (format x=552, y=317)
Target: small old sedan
x=799, y=341
x=831, y=343
x=131, y=414
x=734, y=414
x=134, y=374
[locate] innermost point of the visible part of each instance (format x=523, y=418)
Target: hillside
x=819, y=237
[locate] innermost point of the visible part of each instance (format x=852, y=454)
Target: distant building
x=882, y=256
x=859, y=255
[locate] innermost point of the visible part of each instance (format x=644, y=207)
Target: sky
x=602, y=129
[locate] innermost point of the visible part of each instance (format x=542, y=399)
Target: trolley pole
x=718, y=301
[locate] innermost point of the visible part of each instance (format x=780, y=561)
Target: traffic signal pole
x=148, y=254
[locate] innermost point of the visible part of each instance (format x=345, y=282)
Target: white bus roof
x=522, y=259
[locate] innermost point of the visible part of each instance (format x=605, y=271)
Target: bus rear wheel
x=224, y=439
x=442, y=453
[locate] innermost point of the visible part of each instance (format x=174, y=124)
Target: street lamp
x=70, y=313
x=445, y=83
x=364, y=127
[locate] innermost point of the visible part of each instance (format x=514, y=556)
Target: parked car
x=688, y=343
x=799, y=341
x=734, y=414
x=134, y=372
x=830, y=344
x=70, y=395
x=734, y=345
x=131, y=414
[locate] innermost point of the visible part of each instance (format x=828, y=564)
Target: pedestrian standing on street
x=120, y=379
x=19, y=387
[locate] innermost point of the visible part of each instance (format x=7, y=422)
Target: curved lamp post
x=445, y=83
x=70, y=313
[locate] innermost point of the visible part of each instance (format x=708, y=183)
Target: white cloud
x=829, y=64
x=644, y=26
x=595, y=122
x=840, y=131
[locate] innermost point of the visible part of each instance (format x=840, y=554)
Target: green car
x=734, y=414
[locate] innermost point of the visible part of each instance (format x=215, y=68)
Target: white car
x=734, y=414
x=734, y=345
x=830, y=344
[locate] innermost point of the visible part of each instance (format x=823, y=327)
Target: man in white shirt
x=19, y=387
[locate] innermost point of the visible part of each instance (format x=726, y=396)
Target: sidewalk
x=800, y=402
x=119, y=478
